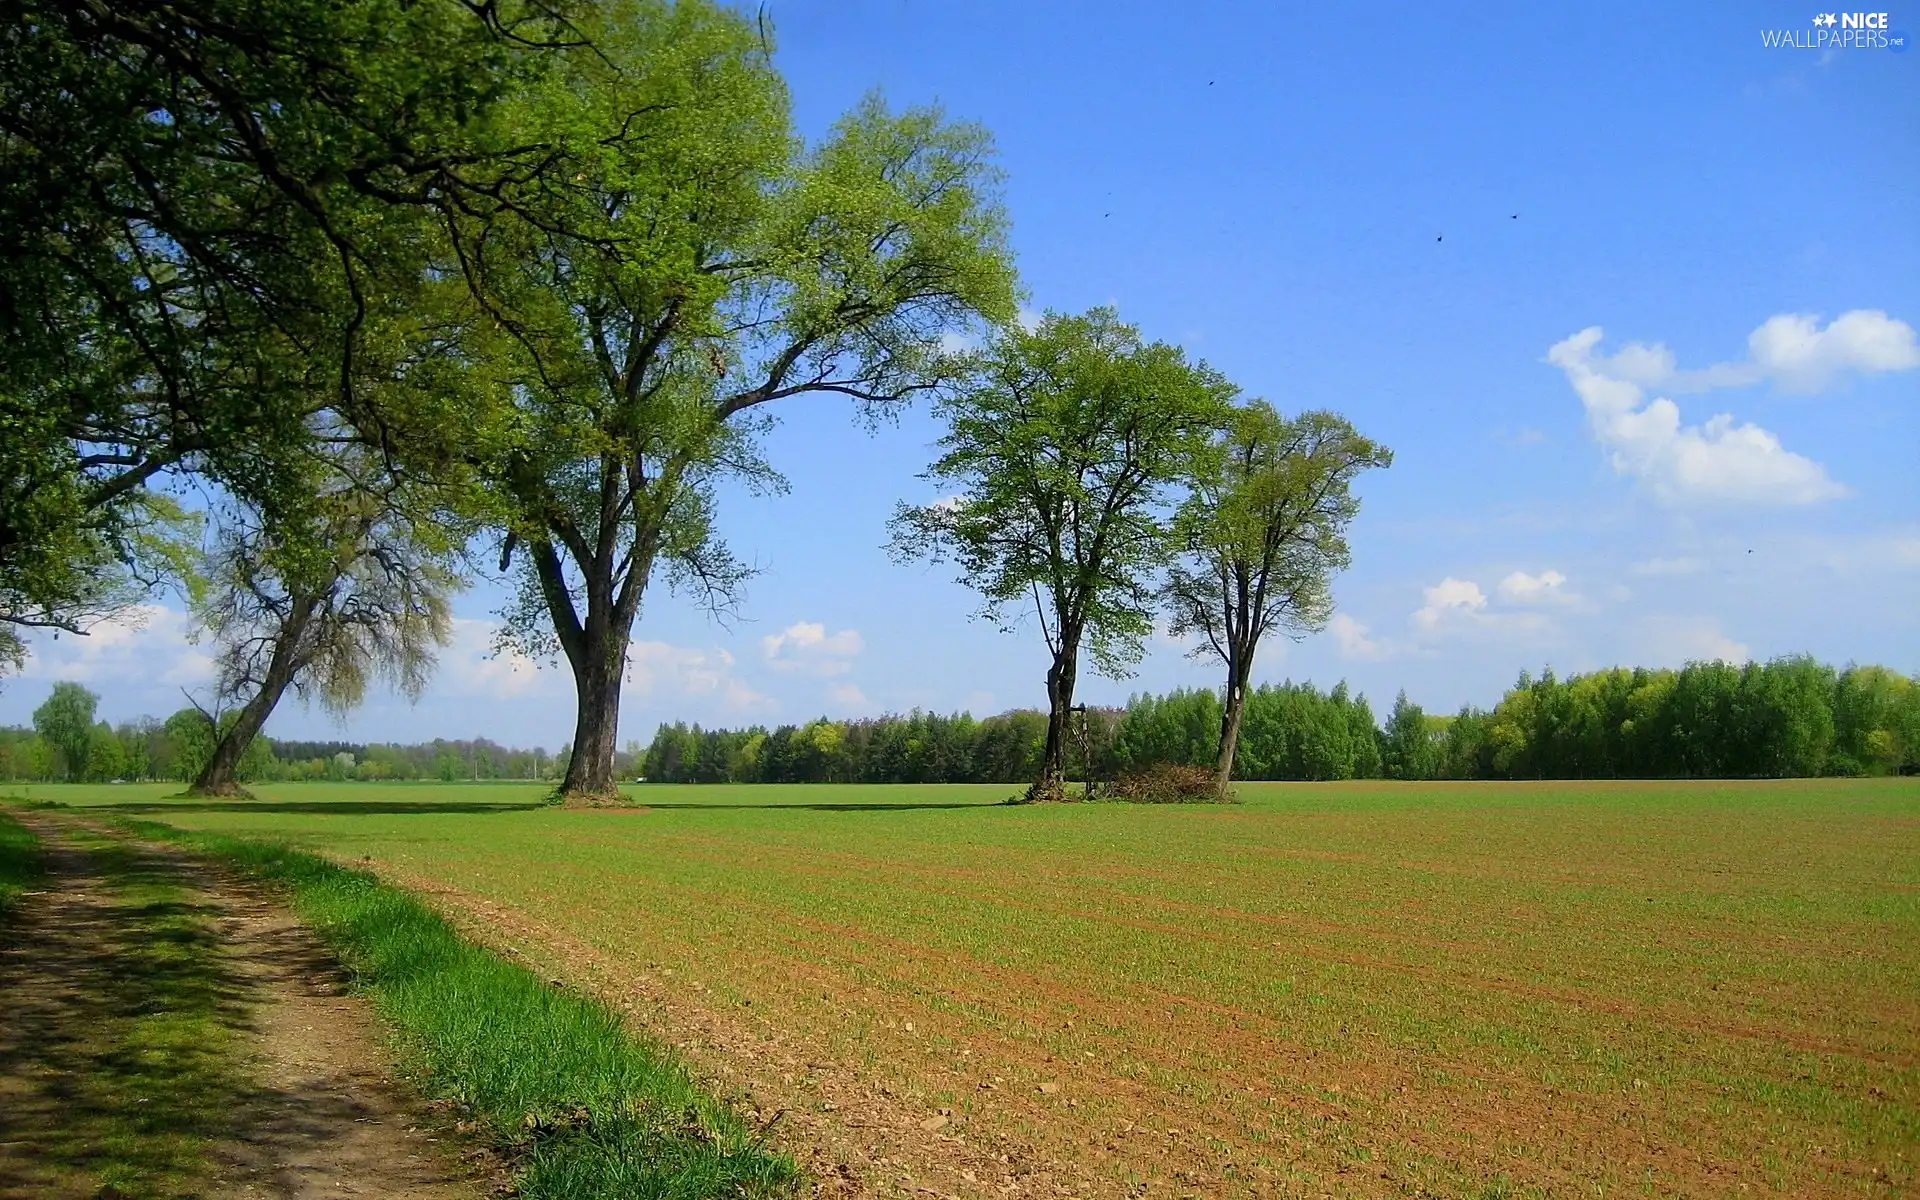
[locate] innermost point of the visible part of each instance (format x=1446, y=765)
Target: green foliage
x=226, y=227
x=1410, y=744
x=1066, y=445
x=1786, y=718
x=1791, y=717
x=678, y=260
x=106, y=757
x=1265, y=529
x=552, y=1078
x=191, y=737
x=915, y=748
x=65, y=721
x=1181, y=727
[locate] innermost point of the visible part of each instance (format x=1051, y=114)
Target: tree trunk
x=596, y=649
x=220, y=777
x=596, y=726
x=1052, y=784
x=1232, y=708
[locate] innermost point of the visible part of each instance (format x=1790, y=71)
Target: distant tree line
x=1789, y=717
x=915, y=748
x=66, y=743
x=1786, y=718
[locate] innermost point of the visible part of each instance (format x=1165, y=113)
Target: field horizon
x=1365, y=988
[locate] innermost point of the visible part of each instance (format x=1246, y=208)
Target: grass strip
x=19, y=861
x=583, y=1109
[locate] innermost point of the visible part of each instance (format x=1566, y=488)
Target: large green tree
x=1066, y=449
x=65, y=721
x=1265, y=528
x=210, y=214
x=696, y=265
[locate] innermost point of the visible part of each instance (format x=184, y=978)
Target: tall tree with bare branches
x=359, y=593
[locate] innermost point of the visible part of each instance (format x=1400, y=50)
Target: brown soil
x=852, y=1137
x=1005, y=1110
x=317, y=1113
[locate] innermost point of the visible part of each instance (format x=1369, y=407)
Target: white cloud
x=1450, y=597
x=148, y=643
x=1801, y=357
x=1522, y=588
x=741, y=698
x=1674, y=641
x=1717, y=461
x=1351, y=637
x=805, y=646
x=472, y=666
x=1790, y=349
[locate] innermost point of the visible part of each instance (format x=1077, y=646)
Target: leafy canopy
x=219, y=221
x=1264, y=529
x=694, y=262
x=1066, y=446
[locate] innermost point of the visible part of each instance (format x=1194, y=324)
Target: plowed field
x=1702, y=989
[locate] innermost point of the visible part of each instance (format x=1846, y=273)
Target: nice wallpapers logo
x=1838, y=31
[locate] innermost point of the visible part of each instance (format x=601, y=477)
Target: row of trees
x=1291, y=731
x=380, y=283
x=68, y=743
x=1790, y=717
x=915, y=748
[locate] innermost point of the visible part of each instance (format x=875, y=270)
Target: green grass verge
x=19, y=861
x=551, y=1077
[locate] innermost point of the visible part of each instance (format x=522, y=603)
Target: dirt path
x=167, y=1030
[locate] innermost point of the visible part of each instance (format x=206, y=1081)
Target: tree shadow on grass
x=319, y=807
x=904, y=806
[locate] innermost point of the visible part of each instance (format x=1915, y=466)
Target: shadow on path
x=169, y=1032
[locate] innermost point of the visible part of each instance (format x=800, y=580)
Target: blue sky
x=1322, y=205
